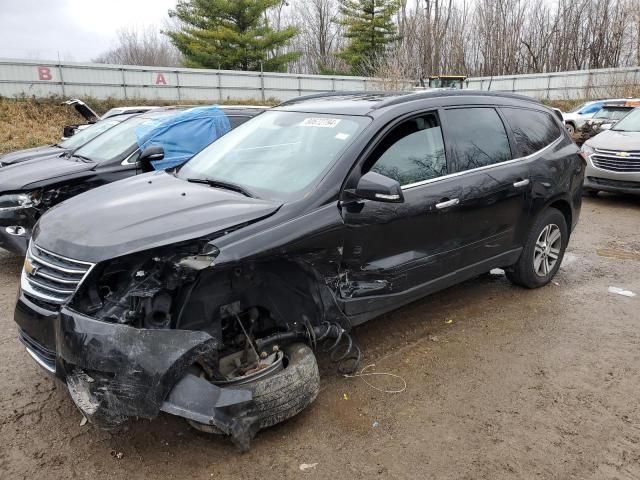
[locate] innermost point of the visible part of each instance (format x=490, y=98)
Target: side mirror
x=373, y=186
x=150, y=154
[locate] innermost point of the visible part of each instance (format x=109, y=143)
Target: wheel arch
x=288, y=288
x=564, y=207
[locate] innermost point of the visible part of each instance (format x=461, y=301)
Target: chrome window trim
x=479, y=169
x=126, y=162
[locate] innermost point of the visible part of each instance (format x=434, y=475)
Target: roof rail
x=411, y=96
x=338, y=94
x=399, y=97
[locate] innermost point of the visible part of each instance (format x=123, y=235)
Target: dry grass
x=30, y=122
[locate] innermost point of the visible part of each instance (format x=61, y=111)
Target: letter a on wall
x=160, y=80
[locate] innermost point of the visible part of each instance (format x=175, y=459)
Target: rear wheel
x=283, y=394
x=543, y=251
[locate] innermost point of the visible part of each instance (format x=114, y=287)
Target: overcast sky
x=77, y=30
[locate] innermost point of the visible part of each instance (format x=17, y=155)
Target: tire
x=571, y=128
x=531, y=272
x=284, y=394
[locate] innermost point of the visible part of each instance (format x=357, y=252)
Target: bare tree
x=142, y=47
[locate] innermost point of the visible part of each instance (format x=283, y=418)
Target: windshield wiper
x=221, y=184
x=83, y=158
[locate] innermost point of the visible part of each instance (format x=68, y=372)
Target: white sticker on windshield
x=320, y=122
x=342, y=136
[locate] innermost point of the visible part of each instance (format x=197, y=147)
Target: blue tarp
x=184, y=134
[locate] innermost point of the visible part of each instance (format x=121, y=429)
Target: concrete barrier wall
x=579, y=84
x=43, y=79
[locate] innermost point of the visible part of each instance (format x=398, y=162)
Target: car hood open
x=616, y=140
x=40, y=172
x=140, y=213
x=29, y=154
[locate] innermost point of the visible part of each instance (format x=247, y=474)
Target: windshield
x=630, y=123
x=87, y=134
x=611, y=113
x=276, y=154
x=115, y=142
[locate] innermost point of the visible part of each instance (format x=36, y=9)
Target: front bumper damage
x=115, y=372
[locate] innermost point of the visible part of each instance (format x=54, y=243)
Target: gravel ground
x=501, y=383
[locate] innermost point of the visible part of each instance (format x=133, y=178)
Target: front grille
x=617, y=161
x=52, y=278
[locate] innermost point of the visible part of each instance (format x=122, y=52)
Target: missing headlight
x=19, y=201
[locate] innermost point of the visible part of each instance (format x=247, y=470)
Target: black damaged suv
x=201, y=292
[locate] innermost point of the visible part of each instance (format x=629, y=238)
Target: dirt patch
x=501, y=383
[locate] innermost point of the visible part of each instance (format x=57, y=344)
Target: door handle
x=447, y=203
x=521, y=183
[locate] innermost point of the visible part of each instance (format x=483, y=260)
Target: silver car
x=614, y=158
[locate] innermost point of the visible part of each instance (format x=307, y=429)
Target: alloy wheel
x=547, y=250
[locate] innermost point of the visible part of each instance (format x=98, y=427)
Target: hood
x=140, y=213
x=40, y=172
x=614, y=140
x=83, y=109
x=29, y=154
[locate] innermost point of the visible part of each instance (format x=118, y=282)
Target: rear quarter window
x=531, y=129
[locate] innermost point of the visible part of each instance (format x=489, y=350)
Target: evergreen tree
x=369, y=28
x=230, y=34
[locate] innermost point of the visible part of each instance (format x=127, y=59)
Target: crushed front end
x=158, y=331
x=126, y=360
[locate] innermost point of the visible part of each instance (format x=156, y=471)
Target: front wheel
x=571, y=129
x=543, y=251
x=281, y=395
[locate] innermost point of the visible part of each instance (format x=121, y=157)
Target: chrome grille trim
x=54, y=279
x=616, y=161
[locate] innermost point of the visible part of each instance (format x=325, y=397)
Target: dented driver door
x=394, y=252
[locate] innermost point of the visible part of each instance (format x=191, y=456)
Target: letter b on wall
x=44, y=73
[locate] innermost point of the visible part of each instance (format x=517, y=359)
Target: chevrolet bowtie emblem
x=29, y=267
x=622, y=154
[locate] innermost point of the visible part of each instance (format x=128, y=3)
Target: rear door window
x=477, y=137
x=532, y=130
